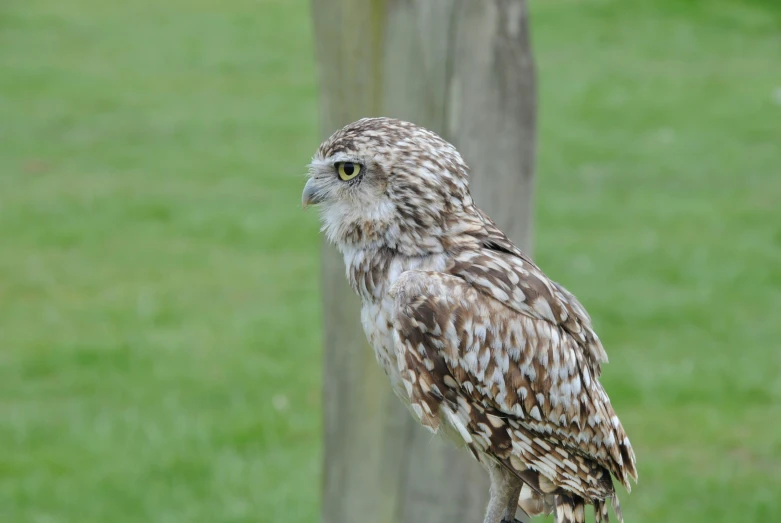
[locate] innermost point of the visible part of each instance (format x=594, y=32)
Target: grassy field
x=159, y=297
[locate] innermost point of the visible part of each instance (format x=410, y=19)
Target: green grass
x=159, y=296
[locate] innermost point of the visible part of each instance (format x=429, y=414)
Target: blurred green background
x=159, y=285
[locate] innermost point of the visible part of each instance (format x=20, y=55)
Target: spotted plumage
x=476, y=340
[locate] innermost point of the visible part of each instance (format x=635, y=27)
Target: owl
x=475, y=339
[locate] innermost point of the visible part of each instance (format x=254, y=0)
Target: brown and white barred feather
x=534, y=503
x=570, y=509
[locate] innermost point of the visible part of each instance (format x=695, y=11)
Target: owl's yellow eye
x=348, y=170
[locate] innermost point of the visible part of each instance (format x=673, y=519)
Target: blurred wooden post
x=462, y=68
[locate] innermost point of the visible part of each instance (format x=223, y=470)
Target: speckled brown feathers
x=514, y=385
x=475, y=338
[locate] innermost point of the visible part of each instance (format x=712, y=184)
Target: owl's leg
x=505, y=489
x=512, y=506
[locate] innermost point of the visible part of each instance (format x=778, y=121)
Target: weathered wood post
x=462, y=68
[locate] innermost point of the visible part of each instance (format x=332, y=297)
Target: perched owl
x=475, y=339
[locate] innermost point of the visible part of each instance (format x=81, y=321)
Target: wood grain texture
x=462, y=68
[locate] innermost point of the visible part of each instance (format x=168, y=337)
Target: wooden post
x=462, y=68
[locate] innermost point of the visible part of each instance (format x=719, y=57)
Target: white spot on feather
x=454, y=420
x=542, y=307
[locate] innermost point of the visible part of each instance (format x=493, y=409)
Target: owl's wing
x=516, y=269
x=516, y=384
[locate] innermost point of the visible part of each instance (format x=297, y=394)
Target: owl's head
x=382, y=182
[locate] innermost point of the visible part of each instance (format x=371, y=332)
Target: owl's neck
x=373, y=266
x=372, y=270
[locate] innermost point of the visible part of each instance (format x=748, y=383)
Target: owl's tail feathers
x=569, y=509
x=600, y=509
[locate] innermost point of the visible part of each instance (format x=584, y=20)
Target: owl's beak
x=312, y=194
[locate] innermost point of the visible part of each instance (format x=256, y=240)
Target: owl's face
x=381, y=182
